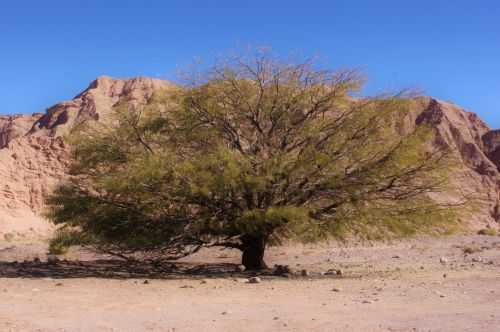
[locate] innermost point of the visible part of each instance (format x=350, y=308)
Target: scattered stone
x=59, y=284
x=276, y=318
x=440, y=294
x=203, y=281
x=240, y=268
x=305, y=273
x=477, y=259
x=254, y=280
x=280, y=270
x=396, y=256
x=336, y=289
x=340, y=272
x=226, y=312
x=445, y=275
x=187, y=286
x=443, y=260
x=52, y=259
x=146, y=282
x=366, y=302
x=330, y=272
x=36, y=260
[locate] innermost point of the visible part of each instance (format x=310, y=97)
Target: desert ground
x=424, y=284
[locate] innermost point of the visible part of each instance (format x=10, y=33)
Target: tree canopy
x=253, y=152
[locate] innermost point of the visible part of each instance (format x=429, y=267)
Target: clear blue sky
x=50, y=50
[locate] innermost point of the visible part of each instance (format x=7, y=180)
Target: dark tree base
x=253, y=253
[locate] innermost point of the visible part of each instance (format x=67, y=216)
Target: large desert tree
x=253, y=152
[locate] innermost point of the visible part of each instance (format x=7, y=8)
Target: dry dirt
x=426, y=284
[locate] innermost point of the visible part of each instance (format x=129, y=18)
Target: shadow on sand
x=116, y=269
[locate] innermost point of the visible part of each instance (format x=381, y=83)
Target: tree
x=257, y=152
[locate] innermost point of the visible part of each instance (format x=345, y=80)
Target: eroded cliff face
x=491, y=141
x=34, y=157
x=475, y=175
x=15, y=126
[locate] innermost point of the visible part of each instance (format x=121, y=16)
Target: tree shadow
x=117, y=269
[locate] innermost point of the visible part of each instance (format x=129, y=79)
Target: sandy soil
x=424, y=284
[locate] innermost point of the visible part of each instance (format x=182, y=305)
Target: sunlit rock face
x=34, y=157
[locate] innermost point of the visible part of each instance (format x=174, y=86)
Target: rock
x=336, y=289
x=254, y=280
x=226, y=312
x=203, y=281
x=340, y=272
x=280, y=270
x=367, y=302
x=330, y=272
x=443, y=260
x=36, y=260
x=396, y=256
x=52, y=259
x=477, y=259
x=305, y=273
x=146, y=282
x=240, y=268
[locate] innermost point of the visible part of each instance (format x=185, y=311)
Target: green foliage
x=259, y=149
x=63, y=239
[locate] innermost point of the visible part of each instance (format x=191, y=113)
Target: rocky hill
x=34, y=157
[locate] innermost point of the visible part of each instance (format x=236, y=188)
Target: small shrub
x=63, y=239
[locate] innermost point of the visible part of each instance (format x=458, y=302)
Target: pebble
x=254, y=280
x=240, y=268
x=443, y=260
x=305, y=273
x=336, y=290
x=330, y=272
x=52, y=259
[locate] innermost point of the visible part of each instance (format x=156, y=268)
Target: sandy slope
x=398, y=287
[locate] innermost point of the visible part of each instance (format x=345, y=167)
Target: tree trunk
x=253, y=252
